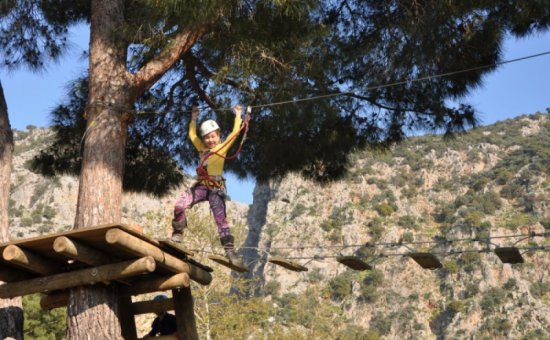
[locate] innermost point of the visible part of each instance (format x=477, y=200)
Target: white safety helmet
x=208, y=126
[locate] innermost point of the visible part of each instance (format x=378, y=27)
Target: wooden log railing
x=136, y=246
x=60, y=299
x=105, y=273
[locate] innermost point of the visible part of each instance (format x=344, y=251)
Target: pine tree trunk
x=93, y=312
x=11, y=311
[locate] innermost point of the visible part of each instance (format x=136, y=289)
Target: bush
x=26, y=221
x=381, y=323
x=450, y=266
x=539, y=289
x=492, y=299
x=40, y=324
x=384, y=209
x=516, y=221
x=341, y=286
x=457, y=306
x=408, y=222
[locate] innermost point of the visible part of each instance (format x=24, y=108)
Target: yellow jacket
x=214, y=163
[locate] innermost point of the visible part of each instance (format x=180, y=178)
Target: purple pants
x=200, y=193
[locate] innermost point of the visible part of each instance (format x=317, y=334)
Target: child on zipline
x=210, y=183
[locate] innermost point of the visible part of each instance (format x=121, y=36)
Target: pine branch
x=154, y=69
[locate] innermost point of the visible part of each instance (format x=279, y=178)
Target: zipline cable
x=346, y=93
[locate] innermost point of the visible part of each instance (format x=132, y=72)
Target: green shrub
x=408, y=237
x=492, y=299
x=340, y=287
x=518, y=220
x=26, y=221
x=384, y=209
x=272, y=288
x=381, y=323
x=510, y=284
x=40, y=324
x=457, y=306
x=450, y=266
x=408, y=222
x=540, y=289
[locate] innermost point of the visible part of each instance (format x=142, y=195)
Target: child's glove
x=238, y=110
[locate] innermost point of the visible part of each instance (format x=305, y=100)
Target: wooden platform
x=104, y=253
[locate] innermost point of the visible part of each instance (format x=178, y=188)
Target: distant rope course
x=385, y=245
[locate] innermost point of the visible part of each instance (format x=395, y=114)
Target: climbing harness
x=218, y=181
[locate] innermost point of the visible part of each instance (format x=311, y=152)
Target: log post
x=77, y=278
x=185, y=313
x=139, y=247
x=127, y=320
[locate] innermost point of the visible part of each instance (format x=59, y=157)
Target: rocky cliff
x=457, y=199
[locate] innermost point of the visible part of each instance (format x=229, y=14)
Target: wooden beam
x=185, y=314
x=157, y=285
x=60, y=299
x=159, y=306
x=77, y=278
x=54, y=300
x=29, y=261
x=139, y=247
x=354, y=262
x=127, y=320
x=11, y=274
x=509, y=255
x=426, y=260
x=290, y=265
x=79, y=252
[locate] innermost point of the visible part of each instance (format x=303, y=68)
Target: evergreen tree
x=163, y=55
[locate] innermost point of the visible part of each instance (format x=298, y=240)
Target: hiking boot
x=177, y=236
x=229, y=248
x=177, y=230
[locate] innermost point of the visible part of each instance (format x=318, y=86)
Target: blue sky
x=513, y=89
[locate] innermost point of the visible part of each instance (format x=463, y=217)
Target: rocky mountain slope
x=458, y=199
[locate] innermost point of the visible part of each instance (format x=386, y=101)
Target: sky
x=513, y=89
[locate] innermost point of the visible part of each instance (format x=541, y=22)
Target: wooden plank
x=354, y=262
x=224, y=261
x=133, y=245
x=29, y=261
x=92, y=236
x=426, y=260
x=80, y=277
x=509, y=255
x=54, y=300
x=185, y=314
x=287, y=264
x=159, y=306
x=174, y=246
x=60, y=298
x=80, y=252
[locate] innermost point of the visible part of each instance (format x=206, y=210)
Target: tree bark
x=11, y=310
x=94, y=312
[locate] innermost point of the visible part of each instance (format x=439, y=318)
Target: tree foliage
x=274, y=54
